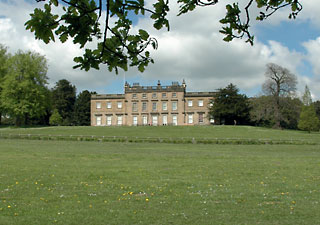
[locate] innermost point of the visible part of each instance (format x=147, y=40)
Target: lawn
x=57, y=182
x=222, y=132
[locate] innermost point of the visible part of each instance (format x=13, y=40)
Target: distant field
x=57, y=182
x=172, y=131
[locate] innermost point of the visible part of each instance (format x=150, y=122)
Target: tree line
x=25, y=98
x=278, y=107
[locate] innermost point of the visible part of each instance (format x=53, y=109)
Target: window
x=135, y=120
x=164, y=106
x=164, y=95
x=200, y=117
x=154, y=106
x=174, y=105
x=98, y=105
x=119, y=105
x=174, y=95
x=108, y=105
x=174, y=120
x=154, y=120
x=154, y=95
x=98, y=121
x=190, y=103
x=165, y=120
x=134, y=106
x=134, y=95
x=144, y=106
x=200, y=103
x=190, y=118
x=144, y=120
x=108, y=120
x=144, y=95
x=119, y=120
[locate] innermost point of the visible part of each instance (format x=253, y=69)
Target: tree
x=306, y=98
x=308, y=119
x=3, y=71
x=317, y=108
x=280, y=82
x=230, y=107
x=63, y=99
x=82, y=109
x=24, y=89
x=55, y=118
x=118, y=46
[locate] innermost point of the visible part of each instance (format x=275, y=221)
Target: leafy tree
x=63, y=99
x=317, y=108
x=82, y=109
x=3, y=71
x=55, y=118
x=118, y=46
x=24, y=87
x=308, y=119
x=280, y=82
x=230, y=107
x=306, y=98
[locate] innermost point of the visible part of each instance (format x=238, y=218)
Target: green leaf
x=143, y=34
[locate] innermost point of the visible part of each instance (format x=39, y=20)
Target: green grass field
x=58, y=182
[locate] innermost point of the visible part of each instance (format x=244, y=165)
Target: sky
x=193, y=50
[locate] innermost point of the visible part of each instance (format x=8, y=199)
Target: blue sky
x=193, y=50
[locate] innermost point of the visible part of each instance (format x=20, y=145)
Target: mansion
x=151, y=105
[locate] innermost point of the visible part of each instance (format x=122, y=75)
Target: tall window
x=164, y=106
x=174, y=105
x=144, y=120
x=144, y=106
x=119, y=120
x=200, y=117
x=134, y=106
x=200, y=103
x=154, y=120
x=174, y=120
x=98, y=121
x=190, y=103
x=135, y=120
x=165, y=120
x=144, y=95
x=154, y=106
x=108, y=120
x=108, y=105
x=190, y=118
x=174, y=95
x=134, y=95
x=164, y=95
x=98, y=105
x=119, y=105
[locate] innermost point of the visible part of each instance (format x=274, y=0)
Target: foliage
x=308, y=119
x=82, y=109
x=290, y=109
x=230, y=107
x=280, y=82
x=3, y=71
x=63, y=99
x=118, y=45
x=55, y=118
x=306, y=98
x=316, y=105
x=24, y=87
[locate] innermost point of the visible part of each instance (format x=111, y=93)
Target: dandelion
x=16, y=214
x=90, y=206
x=293, y=202
x=17, y=182
x=9, y=206
x=147, y=199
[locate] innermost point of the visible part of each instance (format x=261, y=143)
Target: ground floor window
x=174, y=120
x=135, y=120
x=108, y=120
x=98, y=120
x=154, y=120
x=144, y=120
x=190, y=118
x=165, y=120
x=119, y=120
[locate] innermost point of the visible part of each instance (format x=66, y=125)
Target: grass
x=245, y=132
x=57, y=182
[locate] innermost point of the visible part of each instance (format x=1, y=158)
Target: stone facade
x=151, y=105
